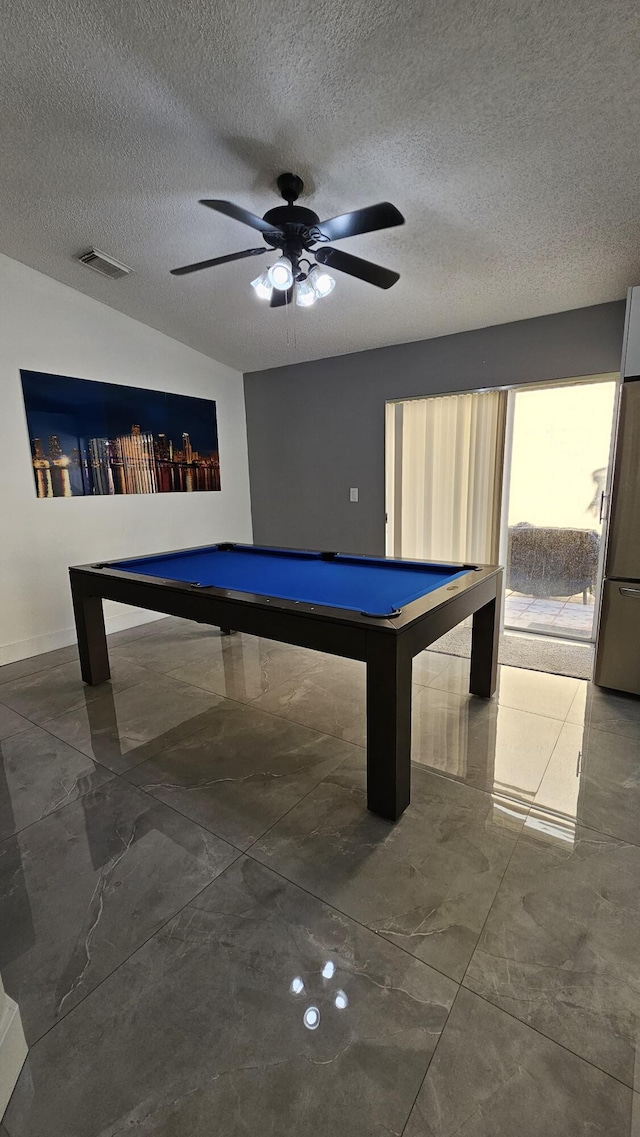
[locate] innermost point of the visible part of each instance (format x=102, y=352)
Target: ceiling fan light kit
x=314, y=286
x=296, y=231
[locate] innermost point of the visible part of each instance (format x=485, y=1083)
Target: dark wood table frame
x=387, y=645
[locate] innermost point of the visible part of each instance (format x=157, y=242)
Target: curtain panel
x=444, y=467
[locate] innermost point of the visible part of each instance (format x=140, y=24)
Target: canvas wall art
x=93, y=438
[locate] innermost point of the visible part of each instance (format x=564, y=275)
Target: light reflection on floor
x=339, y=998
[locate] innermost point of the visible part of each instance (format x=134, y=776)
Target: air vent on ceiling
x=103, y=264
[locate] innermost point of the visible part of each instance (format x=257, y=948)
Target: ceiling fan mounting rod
x=290, y=186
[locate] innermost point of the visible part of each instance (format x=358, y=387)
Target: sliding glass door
x=559, y=447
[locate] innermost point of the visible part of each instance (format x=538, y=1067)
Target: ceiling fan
x=296, y=230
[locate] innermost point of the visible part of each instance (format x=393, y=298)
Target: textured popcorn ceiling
x=507, y=132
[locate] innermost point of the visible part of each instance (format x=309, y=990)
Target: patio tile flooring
x=558, y=616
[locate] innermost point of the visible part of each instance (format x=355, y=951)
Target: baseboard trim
x=13, y=1048
x=38, y=645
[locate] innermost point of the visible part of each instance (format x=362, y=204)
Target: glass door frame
x=555, y=384
x=605, y=510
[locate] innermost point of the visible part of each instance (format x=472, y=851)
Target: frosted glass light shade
x=262, y=286
x=305, y=294
x=281, y=274
x=322, y=282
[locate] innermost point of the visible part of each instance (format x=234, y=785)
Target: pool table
x=378, y=609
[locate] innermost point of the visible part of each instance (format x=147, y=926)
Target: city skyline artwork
x=90, y=438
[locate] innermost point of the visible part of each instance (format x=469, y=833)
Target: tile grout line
x=467, y=697
x=532, y=804
x=273, y=714
x=240, y=853
x=389, y=944
x=431, y=685
x=319, y=899
x=158, y=801
x=255, y=697
x=247, y=852
x=341, y=911
x=515, y=1017
x=122, y=773
x=548, y=1038
x=126, y=959
x=121, y=776
x=54, y=666
x=64, y=647
x=461, y=986
x=430, y=1062
x=37, y=670
x=80, y=753
x=216, y=694
x=495, y=895
x=76, y=706
x=419, y=765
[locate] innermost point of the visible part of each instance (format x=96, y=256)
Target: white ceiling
x=506, y=131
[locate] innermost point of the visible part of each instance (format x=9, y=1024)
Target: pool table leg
x=388, y=726
x=485, y=640
x=92, y=640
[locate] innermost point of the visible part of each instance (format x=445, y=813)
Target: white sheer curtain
x=444, y=461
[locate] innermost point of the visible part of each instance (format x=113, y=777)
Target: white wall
x=46, y=326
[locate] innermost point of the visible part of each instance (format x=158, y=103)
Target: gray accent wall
x=316, y=429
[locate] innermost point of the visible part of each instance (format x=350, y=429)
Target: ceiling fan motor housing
x=295, y=222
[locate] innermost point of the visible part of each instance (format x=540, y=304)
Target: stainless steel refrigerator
x=618, y=642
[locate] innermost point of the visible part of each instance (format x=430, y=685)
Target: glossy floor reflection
x=206, y=931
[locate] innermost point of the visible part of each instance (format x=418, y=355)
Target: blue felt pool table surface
x=361, y=584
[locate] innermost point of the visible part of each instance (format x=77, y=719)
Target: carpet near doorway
x=539, y=653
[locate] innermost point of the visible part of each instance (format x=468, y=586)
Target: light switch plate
x=353, y=494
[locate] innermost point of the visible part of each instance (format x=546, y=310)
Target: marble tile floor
x=207, y=932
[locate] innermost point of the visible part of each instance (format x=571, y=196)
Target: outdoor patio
x=556, y=616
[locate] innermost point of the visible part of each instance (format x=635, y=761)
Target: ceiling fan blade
x=217, y=261
x=356, y=266
x=240, y=214
x=280, y=299
x=381, y=216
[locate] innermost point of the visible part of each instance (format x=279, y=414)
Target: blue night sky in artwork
x=82, y=409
